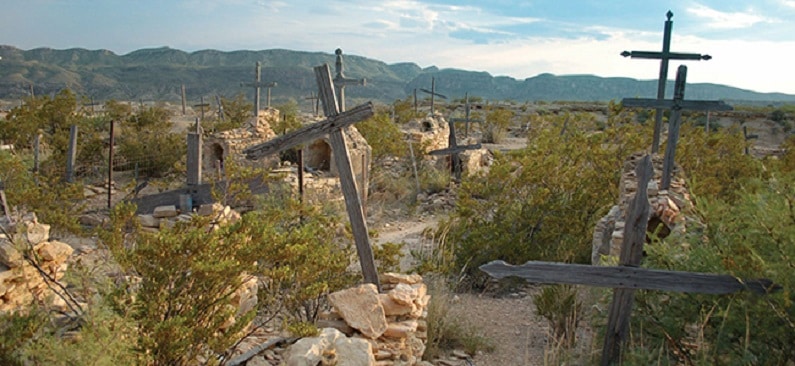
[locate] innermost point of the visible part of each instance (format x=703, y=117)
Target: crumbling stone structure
x=370, y=328
x=21, y=282
x=667, y=215
x=226, y=146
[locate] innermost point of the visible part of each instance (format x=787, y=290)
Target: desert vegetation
x=163, y=298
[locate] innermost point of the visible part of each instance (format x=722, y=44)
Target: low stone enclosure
x=667, y=215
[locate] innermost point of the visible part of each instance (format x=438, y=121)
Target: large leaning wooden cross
x=332, y=126
x=676, y=106
x=628, y=276
x=257, y=84
x=340, y=81
x=664, y=56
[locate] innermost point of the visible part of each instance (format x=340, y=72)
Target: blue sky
x=752, y=42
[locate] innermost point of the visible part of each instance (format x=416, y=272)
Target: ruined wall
x=20, y=282
x=226, y=146
x=667, y=214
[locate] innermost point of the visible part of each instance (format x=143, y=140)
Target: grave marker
x=201, y=106
x=4, y=203
x=340, y=81
x=315, y=100
x=676, y=106
x=748, y=137
x=194, y=159
x=628, y=276
x=432, y=92
x=333, y=126
x=467, y=120
x=257, y=84
x=71, y=154
x=453, y=149
x=664, y=56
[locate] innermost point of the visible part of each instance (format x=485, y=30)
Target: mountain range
x=157, y=74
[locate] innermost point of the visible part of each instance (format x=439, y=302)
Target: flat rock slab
x=360, y=308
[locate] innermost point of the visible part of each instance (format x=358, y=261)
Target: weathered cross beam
x=628, y=276
x=340, y=81
x=4, y=203
x=676, y=105
x=467, y=120
x=432, y=92
x=257, y=84
x=453, y=149
x=664, y=56
x=332, y=127
x=201, y=106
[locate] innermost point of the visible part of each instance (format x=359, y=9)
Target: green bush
x=496, y=126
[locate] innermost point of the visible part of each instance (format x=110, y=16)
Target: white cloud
x=725, y=20
x=790, y=3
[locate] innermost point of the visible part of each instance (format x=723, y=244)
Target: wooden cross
x=628, y=276
x=466, y=119
x=220, y=108
x=432, y=92
x=4, y=203
x=202, y=105
x=340, y=81
x=676, y=105
x=664, y=56
x=453, y=149
x=257, y=84
x=332, y=127
x=748, y=137
x=315, y=103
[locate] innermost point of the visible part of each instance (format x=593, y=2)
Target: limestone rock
x=149, y=221
x=360, y=308
x=395, y=278
x=53, y=251
x=165, y=211
x=9, y=255
x=35, y=232
x=354, y=352
x=311, y=351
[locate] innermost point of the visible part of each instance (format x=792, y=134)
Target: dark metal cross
x=315, y=102
x=453, y=149
x=467, y=120
x=336, y=120
x=664, y=56
x=202, y=105
x=340, y=81
x=676, y=106
x=257, y=84
x=432, y=92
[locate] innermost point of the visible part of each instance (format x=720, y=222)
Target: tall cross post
x=467, y=120
x=202, y=105
x=340, y=81
x=315, y=100
x=257, y=84
x=664, y=56
x=433, y=93
x=332, y=126
x=676, y=105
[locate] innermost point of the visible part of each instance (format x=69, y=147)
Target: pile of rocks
x=370, y=328
x=667, y=212
x=169, y=215
x=21, y=283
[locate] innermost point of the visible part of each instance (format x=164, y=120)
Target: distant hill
x=157, y=75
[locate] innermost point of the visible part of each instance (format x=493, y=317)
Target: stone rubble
x=667, y=211
x=20, y=282
x=370, y=328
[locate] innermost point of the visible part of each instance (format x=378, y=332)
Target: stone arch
x=318, y=156
x=217, y=155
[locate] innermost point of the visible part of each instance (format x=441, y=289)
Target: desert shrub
x=288, y=118
x=146, y=139
x=55, y=202
x=562, y=309
x=749, y=238
x=17, y=330
x=495, y=128
x=542, y=202
x=447, y=331
x=387, y=256
x=404, y=110
x=778, y=116
x=187, y=277
x=385, y=137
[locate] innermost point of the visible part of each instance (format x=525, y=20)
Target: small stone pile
x=21, y=283
x=370, y=328
x=667, y=211
x=169, y=215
